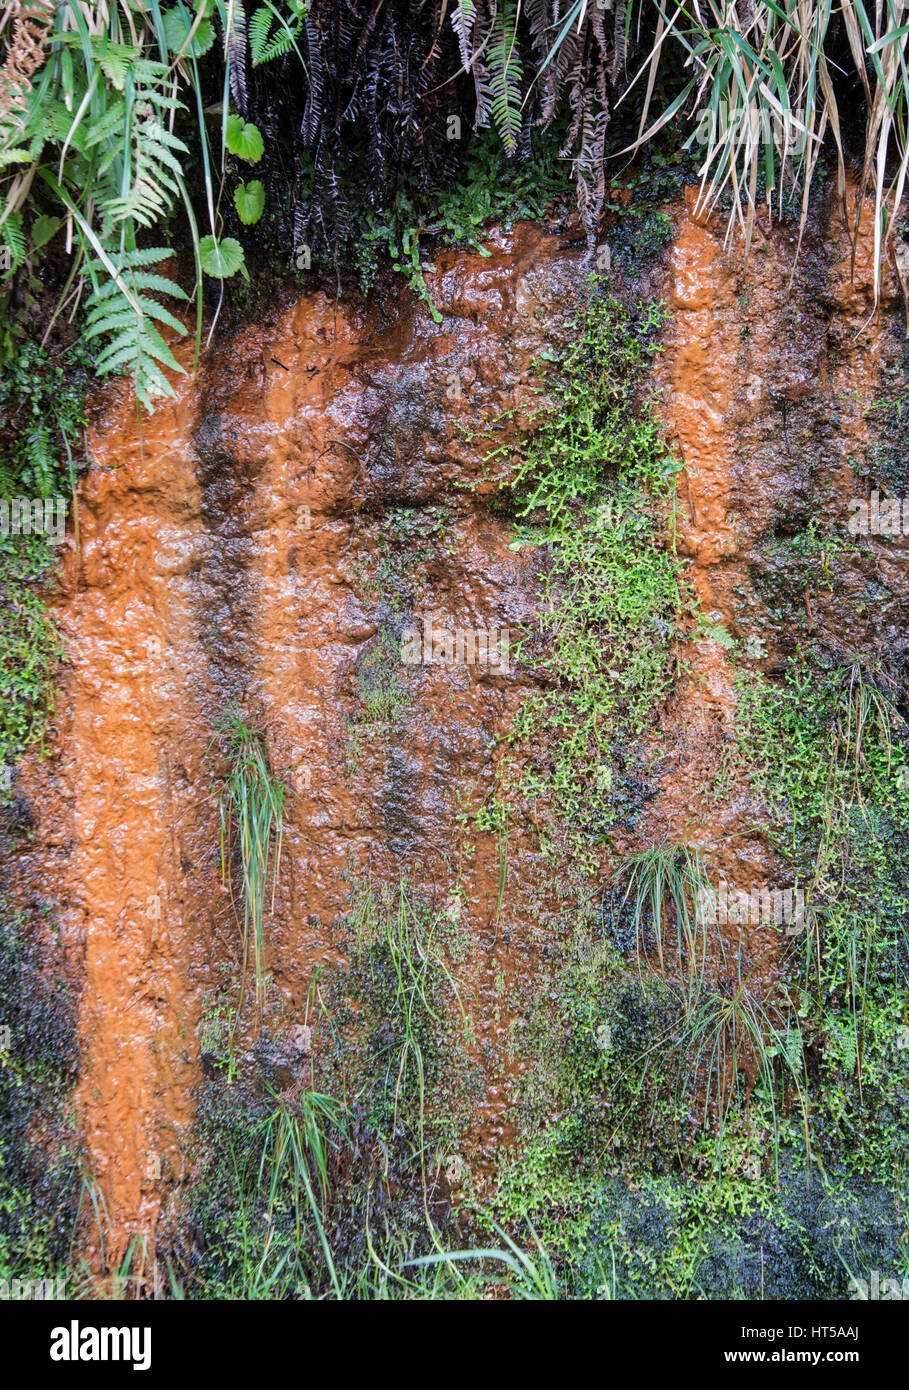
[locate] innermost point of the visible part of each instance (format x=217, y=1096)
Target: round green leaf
x=249, y=200
x=243, y=139
x=222, y=259
x=177, y=24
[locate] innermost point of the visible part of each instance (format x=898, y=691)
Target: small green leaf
x=222, y=259
x=177, y=24
x=243, y=140
x=43, y=228
x=249, y=200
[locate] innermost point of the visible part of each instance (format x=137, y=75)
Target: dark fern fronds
x=235, y=49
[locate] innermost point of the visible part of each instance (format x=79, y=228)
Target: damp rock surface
x=266, y=542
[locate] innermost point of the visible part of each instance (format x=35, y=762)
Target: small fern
x=41, y=458
x=265, y=46
x=14, y=238
x=121, y=309
x=154, y=167
x=506, y=77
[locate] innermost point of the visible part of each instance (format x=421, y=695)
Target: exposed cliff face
x=264, y=542
x=231, y=557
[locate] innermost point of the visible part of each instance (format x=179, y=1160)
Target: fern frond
x=122, y=310
x=462, y=20
x=505, y=76
x=13, y=237
x=235, y=53
x=264, y=46
x=144, y=175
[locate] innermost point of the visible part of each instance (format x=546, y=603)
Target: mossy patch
x=40, y=1178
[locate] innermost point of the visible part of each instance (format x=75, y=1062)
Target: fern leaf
x=462, y=20
x=122, y=310
x=505, y=77
x=14, y=237
x=264, y=46
x=235, y=54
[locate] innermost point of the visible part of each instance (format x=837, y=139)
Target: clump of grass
x=528, y=1277
x=730, y=1029
x=495, y=817
x=663, y=883
x=408, y=946
x=252, y=825
x=868, y=715
x=295, y=1142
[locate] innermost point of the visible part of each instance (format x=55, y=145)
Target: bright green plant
x=663, y=884
x=295, y=1143
x=88, y=144
x=252, y=821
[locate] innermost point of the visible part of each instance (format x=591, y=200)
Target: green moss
x=788, y=566
x=381, y=689
x=403, y=542
x=40, y=1179
x=594, y=493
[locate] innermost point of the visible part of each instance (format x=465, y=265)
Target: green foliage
x=223, y=258
x=249, y=200
x=663, y=885
x=42, y=410
x=122, y=310
x=828, y=753
x=488, y=187
x=39, y=1174
x=29, y=649
x=299, y=1194
x=380, y=686
x=403, y=1060
x=505, y=76
x=252, y=828
x=184, y=35
x=593, y=489
x=271, y=35
x=243, y=139
x=96, y=134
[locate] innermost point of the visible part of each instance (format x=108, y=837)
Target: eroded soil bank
x=262, y=545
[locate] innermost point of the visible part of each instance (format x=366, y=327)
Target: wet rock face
x=263, y=544
x=768, y=384
x=316, y=499
x=787, y=367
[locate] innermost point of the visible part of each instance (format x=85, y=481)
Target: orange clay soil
x=230, y=561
